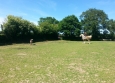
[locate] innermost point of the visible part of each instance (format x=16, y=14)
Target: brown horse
x=86, y=38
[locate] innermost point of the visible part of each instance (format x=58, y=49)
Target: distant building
x=103, y=30
x=100, y=29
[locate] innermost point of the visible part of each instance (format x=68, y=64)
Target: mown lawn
x=58, y=62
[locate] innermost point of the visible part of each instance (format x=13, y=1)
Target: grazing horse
x=84, y=38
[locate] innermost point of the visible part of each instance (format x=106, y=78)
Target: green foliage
x=70, y=26
x=92, y=19
x=2, y=38
x=16, y=27
x=50, y=20
x=111, y=25
x=49, y=27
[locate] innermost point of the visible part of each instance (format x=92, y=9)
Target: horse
x=86, y=38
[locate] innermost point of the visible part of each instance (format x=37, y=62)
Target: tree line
x=18, y=29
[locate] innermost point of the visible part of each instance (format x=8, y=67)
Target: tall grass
x=58, y=62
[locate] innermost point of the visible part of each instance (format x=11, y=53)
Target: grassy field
x=58, y=62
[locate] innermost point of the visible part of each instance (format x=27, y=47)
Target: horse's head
x=81, y=35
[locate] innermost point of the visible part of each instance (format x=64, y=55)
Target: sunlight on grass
x=58, y=62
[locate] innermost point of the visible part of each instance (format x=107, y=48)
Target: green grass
x=58, y=62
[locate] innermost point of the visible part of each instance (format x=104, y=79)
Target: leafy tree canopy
x=92, y=19
x=70, y=25
x=16, y=26
x=50, y=20
x=111, y=25
x=48, y=27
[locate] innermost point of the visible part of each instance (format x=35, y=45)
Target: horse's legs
x=84, y=41
x=89, y=41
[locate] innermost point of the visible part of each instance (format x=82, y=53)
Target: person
x=31, y=41
x=85, y=34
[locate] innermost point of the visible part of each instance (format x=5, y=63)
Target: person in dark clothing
x=85, y=34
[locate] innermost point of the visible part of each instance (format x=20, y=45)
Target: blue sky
x=32, y=10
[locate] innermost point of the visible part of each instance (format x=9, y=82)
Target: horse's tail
x=89, y=37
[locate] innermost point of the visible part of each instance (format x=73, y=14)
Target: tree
x=92, y=19
x=16, y=27
x=28, y=29
x=111, y=25
x=111, y=28
x=50, y=20
x=70, y=26
x=12, y=26
x=48, y=27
